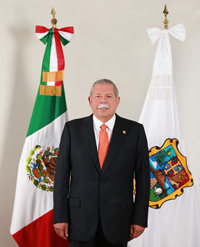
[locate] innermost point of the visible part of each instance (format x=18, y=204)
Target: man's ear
x=118, y=100
x=89, y=100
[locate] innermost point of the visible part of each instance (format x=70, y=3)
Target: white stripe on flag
x=31, y=202
x=51, y=83
x=41, y=35
x=66, y=35
x=53, y=60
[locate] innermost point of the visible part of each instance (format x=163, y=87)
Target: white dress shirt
x=97, y=124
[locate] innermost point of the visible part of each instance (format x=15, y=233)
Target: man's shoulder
x=128, y=121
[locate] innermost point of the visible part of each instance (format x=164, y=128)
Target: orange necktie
x=103, y=145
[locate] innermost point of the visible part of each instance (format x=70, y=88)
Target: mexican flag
x=32, y=220
x=174, y=218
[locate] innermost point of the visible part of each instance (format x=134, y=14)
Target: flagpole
x=165, y=12
x=53, y=21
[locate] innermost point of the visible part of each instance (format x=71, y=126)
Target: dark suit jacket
x=83, y=193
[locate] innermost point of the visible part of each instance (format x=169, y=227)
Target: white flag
x=174, y=218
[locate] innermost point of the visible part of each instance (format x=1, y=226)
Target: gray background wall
x=111, y=42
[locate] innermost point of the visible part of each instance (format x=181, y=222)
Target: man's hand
x=62, y=230
x=136, y=231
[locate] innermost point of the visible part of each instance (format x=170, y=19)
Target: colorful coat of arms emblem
x=169, y=173
x=41, y=165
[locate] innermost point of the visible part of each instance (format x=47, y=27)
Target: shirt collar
x=110, y=124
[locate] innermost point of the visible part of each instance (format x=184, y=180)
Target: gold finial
x=53, y=21
x=165, y=12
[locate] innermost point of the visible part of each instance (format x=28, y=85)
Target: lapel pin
x=124, y=132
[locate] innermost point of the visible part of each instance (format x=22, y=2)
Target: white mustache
x=103, y=106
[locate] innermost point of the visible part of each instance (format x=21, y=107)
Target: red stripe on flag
x=60, y=55
x=67, y=29
x=59, y=51
x=40, y=233
x=58, y=83
x=41, y=29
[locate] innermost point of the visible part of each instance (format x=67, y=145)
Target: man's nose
x=103, y=99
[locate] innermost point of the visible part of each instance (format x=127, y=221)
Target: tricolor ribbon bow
x=53, y=62
x=177, y=32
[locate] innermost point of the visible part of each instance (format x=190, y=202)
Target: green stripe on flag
x=46, y=59
x=44, y=39
x=46, y=109
x=64, y=41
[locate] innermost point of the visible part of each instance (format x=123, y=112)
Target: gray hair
x=105, y=81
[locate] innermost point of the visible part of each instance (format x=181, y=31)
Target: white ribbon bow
x=177, y=32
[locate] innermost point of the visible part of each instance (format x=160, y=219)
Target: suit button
x=101, y=181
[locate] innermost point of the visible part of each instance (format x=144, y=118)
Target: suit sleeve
x=62, y=178
x=142, y=176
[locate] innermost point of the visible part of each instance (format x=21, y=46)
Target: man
x=93, y=193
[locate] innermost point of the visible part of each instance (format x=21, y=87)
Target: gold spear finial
x=53, y=21
x=165, y=12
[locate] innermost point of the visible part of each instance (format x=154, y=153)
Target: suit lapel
x=116, y=140
x=87, y=131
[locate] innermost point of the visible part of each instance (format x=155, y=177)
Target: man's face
x=103, y=101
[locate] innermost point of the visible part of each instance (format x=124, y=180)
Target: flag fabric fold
x=174, y=218
x=32, y=219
